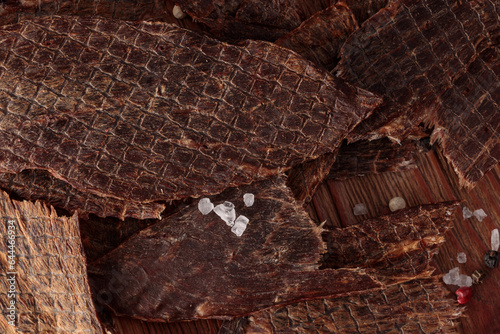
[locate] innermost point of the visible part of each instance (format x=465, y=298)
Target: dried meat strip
x=41, y=185
x=376, y=156
x=254, y=19
x=417, y=306
x=48, y=267
x=163, y=113
x=320, y=37
x=191, y=266
x=436, y=62
x=399, y=244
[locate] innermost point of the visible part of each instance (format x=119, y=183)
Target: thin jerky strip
x=376, y=156
x=320, y=37
x=41, y=185
x=52, y=293
x=435, y=62
x=399, y=244
x=417, y=306
x=254, y=19
x=164, y=113
x=191, y=266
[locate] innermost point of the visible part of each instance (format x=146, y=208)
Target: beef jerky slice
x=435, y=62
x=399, y=245
x=254, y=19
x=50, y=277
x=191, y=266
x=14, y=11
x=41, y=185
x=363, y=10
x=376, y=156
x=417, y=306
x=164, y=113
x=320, y=38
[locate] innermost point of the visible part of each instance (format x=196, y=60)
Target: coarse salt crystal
x=240, y=225
x=466, y=212
x=178, y=13
x=397, y=203
x=480, y=214
x=360, y=209
x=461, y=257
x=205, y=206
x=464, y=280
x=226, y=212
x=248, y=199
x=495, y=240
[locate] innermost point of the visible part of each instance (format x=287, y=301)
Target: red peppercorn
x=464, y=294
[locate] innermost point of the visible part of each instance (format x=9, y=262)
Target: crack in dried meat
x=320, y=37
x=190, y=266
x=51, y=285
x=435, y=62
x=164, y=113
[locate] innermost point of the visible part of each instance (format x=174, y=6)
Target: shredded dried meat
x=164, y=113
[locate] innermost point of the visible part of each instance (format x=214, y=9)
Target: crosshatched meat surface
x=164, y=113
x=191, y=266
x=435, y=62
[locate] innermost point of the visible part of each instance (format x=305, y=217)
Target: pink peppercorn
x=464, y=294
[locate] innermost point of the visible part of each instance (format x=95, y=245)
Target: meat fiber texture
x=52, y=292
x=399, y=245
x=320, y=37
x=164, y=113
x=435, y=62
x=416, y=306
x=376, y=156
x=254, y=19
x=191, y=266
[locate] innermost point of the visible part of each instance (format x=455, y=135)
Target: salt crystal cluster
x=466, y=212
x=248, y=199
x=495, y=240
x=226, y=212
x=461, y=257
x=453, y=277
x=480, y=214
x=240, y=225
x=360, y=209
x=397, y=203
x=205, y=206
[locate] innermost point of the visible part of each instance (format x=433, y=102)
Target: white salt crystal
x=464, y=280
x=178, y=13
x=466, y=212
x=447, y=279
x=480, y=214
x=226, y=212
x=240, y=225
x=397, y=203
x=461, y=257
x=205, y=206
x=495, y=242
x=248, y=199
x=359, y=209
x=454, y=275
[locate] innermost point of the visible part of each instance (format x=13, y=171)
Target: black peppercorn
x=491, y=259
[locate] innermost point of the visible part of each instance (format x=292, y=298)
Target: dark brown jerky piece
x=41, y=185
x=376, y=156
x=304, y=179
x=254, y=19
x=164, y=113
x=191, y=266
x=131, y=10
x=435, y=62
x=320, y=38
x=364, y=9
x=50, y=277
x=417, y=306
x=399, y=244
